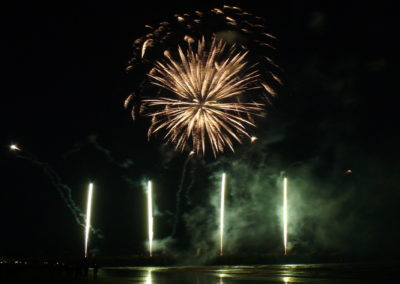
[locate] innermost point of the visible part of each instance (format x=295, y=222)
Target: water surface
x=292, y=273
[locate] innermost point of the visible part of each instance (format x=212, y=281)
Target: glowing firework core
x=150, y=216
x=14, y=147
x=203, y=106
x=222, y=212
x=285, y=219
x=88, y=213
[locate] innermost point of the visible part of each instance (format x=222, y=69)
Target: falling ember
x=145, y=45
x=150, y=216
x=285, y=221
x=222, y=211
x=88, y=214
x=14, y=147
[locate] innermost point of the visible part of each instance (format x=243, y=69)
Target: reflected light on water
x=221, y=277
x=286, y=279
x=148, y=279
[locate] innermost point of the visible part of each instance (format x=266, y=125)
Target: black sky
x=63, y=87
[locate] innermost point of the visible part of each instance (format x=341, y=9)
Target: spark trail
x=222, y=213
x=150, y=216
x=88, y=216
x=178, y=197
x=190, y=185
x=64, y=190
x=127, y=163
x=285, y=217
x=92, y=140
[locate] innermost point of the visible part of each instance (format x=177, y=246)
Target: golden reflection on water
x=148, y=279
x=287, y=280
x=221, y=277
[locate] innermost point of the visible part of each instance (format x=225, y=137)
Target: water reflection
x=148, y=279
x=221, y=277
x=288, y=274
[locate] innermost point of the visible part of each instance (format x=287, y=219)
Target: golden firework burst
x=207, y=100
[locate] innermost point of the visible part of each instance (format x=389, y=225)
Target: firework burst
x=213, y=72
x=204, y=105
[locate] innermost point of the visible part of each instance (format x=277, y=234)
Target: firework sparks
x=55, y=179
x=222, y=213
x=285, y=217
x=210, y=84
x=150, y=216
x=88, y=215
x=205, y=106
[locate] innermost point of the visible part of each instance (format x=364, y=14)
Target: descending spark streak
x=88, y=214
x=222, y=212
x=150, y=216
x=63, y=189
x=178, y=196
x=285, y=221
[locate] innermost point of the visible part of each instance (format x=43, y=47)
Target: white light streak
x=150, y=216
x=285, y=217
x=222, y=212
x=88, y=214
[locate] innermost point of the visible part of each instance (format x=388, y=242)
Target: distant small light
x=349, y=172
x=253, y=139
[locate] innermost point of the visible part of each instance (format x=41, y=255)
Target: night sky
x=63, y=87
